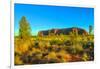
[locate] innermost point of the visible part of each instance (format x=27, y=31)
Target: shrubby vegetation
x=51, y=49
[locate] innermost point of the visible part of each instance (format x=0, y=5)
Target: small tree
x=24, y=29
x=90, y=29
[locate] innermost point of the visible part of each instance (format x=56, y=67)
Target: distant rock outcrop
x=65, y=31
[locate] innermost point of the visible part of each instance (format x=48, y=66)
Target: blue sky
x=43, y=17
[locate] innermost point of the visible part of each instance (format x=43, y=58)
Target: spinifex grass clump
x=52, y=48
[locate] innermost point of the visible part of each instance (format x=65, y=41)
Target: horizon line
x=17, y=33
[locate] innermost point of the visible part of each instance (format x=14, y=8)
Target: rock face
x=65, y=31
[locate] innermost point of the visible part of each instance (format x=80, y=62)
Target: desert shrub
x=26, y=59
x=88, y=45
x=58, y=49
x=18, y=60
x=85, y=57
x=36, y=44
x=79, y=49
x=50, y=49
x=38, y=55
x=51, y=55
x=68, y=43
x=53, y=42
x=44, y=54
x=63, y=56
x=56, y=42
x=69, y=49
